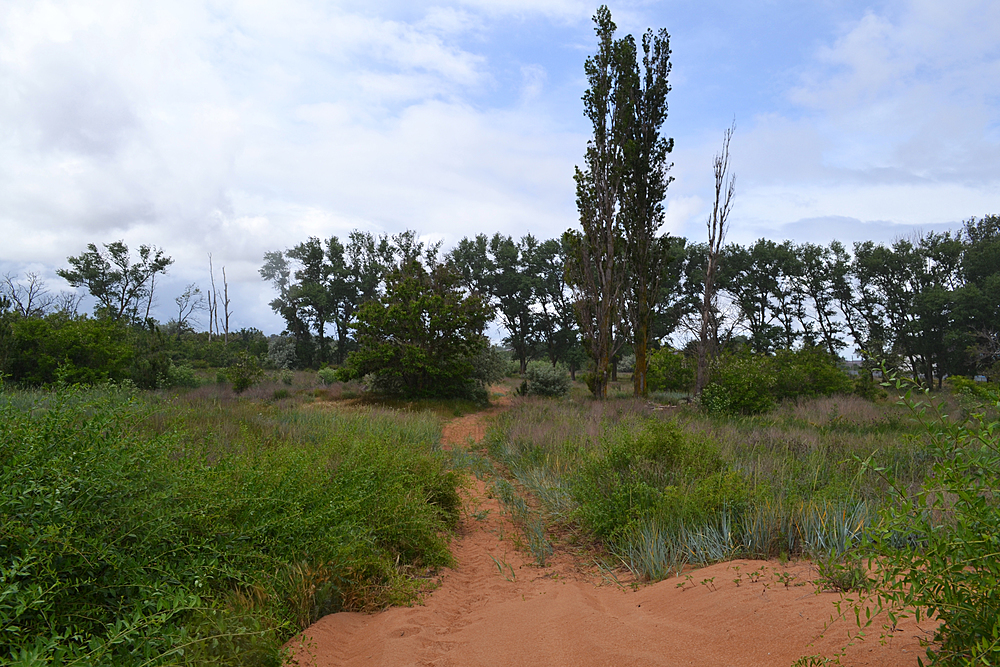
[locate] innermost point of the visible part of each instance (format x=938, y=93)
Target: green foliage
x=701, y=489
x=750, y=384
x=808, y=372
x=670, y=370
x=78, y=350
x=420, y=339
x=119, y=284
x=544, y=379
x=743, y=384
x=937, y=548
x=244, y=372
x=194, y=532
x=181, y=376
x=635, y=475
x=328, y=376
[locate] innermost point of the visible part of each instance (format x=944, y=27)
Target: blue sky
x=241, y=127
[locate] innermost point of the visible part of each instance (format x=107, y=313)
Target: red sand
x=568, y=614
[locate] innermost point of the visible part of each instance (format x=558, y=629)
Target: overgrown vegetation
x=936, y=550
x=206, y=528
x=661, y=492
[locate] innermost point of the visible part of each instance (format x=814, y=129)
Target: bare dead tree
x=29, y=297
x=725, y=189
x=213, y=303
x=189, y=302
x=225, y=304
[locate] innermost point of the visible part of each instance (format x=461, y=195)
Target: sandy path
x=562, y=615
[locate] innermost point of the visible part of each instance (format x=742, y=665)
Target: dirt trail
x=497, y=608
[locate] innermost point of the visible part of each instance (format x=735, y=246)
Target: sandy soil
x=497, y=608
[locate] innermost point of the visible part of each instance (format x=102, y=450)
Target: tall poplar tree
x=597, y=269
x=645, y=187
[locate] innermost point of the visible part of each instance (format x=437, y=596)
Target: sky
x=237, y=128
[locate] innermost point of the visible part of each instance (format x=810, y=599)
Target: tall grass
x=666, y=489
x=207, y=528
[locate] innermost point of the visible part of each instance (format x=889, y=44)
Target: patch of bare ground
x=496, y=607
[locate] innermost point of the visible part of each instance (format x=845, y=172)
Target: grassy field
x=663, y=487
x=206, y=528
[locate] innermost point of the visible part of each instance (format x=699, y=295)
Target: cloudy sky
x=234, y=128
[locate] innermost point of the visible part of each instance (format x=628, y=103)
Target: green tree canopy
x=420, y=339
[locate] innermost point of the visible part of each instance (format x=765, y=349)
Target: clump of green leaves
x=244, y=372
x=420, y=339
x=748, y=384
x=543, y=379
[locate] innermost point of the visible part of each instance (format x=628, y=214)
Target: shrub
x=544, y=379
x=808, y=372
x=670, y=370
x=636, y=476
x=123, y=547
x=281, y=352
x=328, y=376
x=742, y=384
x=937, y=549
x=748, y=384
x=245, y=372
x=181, y=376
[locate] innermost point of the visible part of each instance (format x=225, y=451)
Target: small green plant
x=244, y=372
x=327, y=376
x=542, y=379
x=786, y=578
x=688, y=579
x=738, y=579
x=844, y=575
x=504, y=568
x=709, y=583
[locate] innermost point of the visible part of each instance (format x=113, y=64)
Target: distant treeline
x=929, y=305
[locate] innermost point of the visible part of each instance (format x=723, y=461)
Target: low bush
x=748, y=384
x=327, y=376
x=544, y=379
x=194, y=532
x=936, y=549
x=670, y=370
x=741, y=385
x=244, y=372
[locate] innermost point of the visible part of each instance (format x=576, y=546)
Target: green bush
x=124, y=547
x=670, y=370
x=634, y=476
x=544, y=379
x=806, y=373
x=937, y=549
x=180, y=376
x=748, y=384
x=244, y=372
x=740, y=385
x=328, y=376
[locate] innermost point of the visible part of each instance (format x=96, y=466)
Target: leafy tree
x=556, y=326
x=421, y=337
x=644, y=188
x=119, y=284
x=597, y=268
